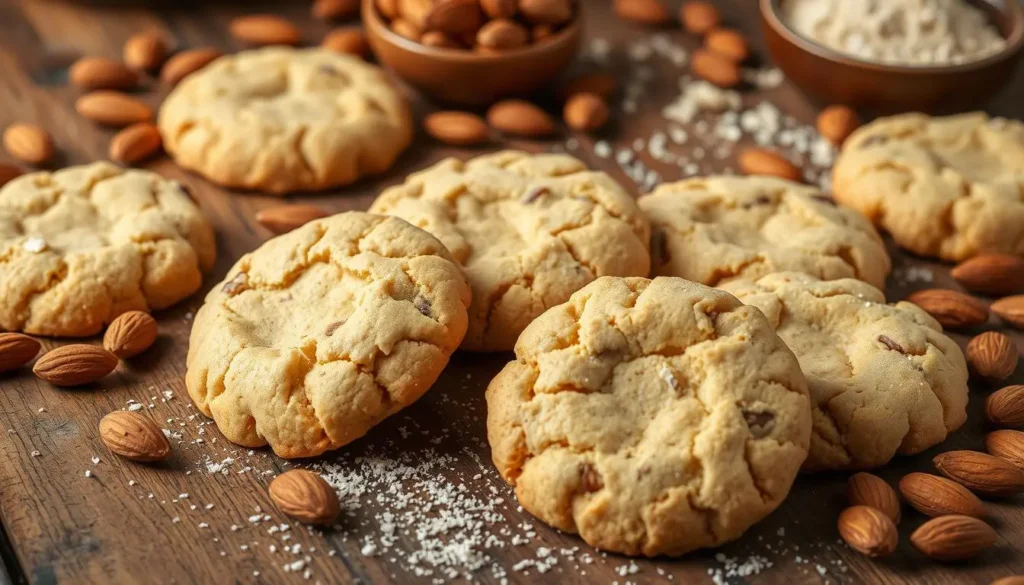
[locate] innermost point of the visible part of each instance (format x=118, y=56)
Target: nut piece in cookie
x=650, y=417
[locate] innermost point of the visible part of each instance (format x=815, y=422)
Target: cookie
x=323, y=332
x=884, y=380
x=650, y=417
x=529, y=230
x=281, y=119
x=714, y=229
x=82, y=245
x=947, y=187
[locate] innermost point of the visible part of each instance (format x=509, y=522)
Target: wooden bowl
x=466, y=78
x=836, y=78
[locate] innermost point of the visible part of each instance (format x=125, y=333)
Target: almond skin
x=145, y=51
x=1006, y=444
x=284, y=218
x=113, y=108
x=992, y=355
x=981, y=473
x=185, y=63
x=305, y=496
x=991, y=274
x=74, y=365
x=760, y=161
x=868, y=531
x=457, y=128
x=699, y=17
x=1011, y=310
x=16, y=350
x=350, y=40
x=1005, y=407
x=29, y=143
x=953, y=538
x=134, y=436
x=101, y=73
x=335, y=9
x=8, y=173
x=585, y=112
x=264, y=29
x=836, y=123
x=520, y=118
x=502, y=34
x=952, y=309
x=728, y=43
x=454, y=17
x=866, y=489
x=932, y=495
x=603, y=85
x=130, y=334
x=499, y=8
x=135, y=143
x=546, y=11
x=650, y=12
x=714, y=68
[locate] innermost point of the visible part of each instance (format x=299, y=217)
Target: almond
x=284, y=218
x=454, y=16
x=1011, y=580
x=868, y=531
x=135, y=143
x=28, y=143
x=715, y=68
x=502, y=34
x=185, y=63
x=8, y=173
x=992, y=274
x=542, y=32
x=992, y=355
x=953, y=538
x=387, y=8
x=699, y=17
x=145, y=51
x=651, y=12
x=113, y=108
x=404, y=28
x=264, y=29
x=134, y=436
x=102, y=73
x=520, y=118
x=760, y=161
x=836, y=123
x=436, y=38
x=932, y=495
x=415, y=12
x=603, y=85
x=1011, y=310
x=305, y=496
x=335, y=9
x=950, y=308
x=546, y=11
x=1006, y=444
x=130, y=334
x=585, y=112
x=16, y=350
x=457, y=128
x=728, y=43
x=499, y=8
x=350, y=40
x=1006, y=406
x=866, y=489
x=980, y=472
x=74, y=365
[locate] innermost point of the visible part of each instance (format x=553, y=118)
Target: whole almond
x=585, y=112
x=185, y=63
x=350, y=40
x=102, y=73
x=8, y=173
x=499, y=8
x=715, y=68
x=404, y=28
x=836, y=123
x=135, y=143
x=145, y=51
x=134, y=436
x=546, y=11
x=981, y=473
x=1011, y=310
x=502, y=34
x=1006, y=406
x=520, y=118
x=130, y=334
x=74, y=365
x=651, y=12
x=387, y=8
x=728, y=43
x=335, y=9
x=28, y=143
x=284, y=218
x=436, y=38
x=415, y=12
x=454, y=16
x=952, y=309
x=16, y=350
x=865, y=489
x=699, y=17
x=991, y=274
x=542, y=32
x=457, y=128
x=953, y=538
x=932, y=495
x=992, y=355
x=1011, y=580
x=113, y=108
x=1006, y=444
x=265, y=29
x=760, y=161
x=603, y=85
x=305, y=496
x=868, y=531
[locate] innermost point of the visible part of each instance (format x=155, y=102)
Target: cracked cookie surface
x=884, y=379
x=282, y=119
x=323, y=332
x=529, y=230
x=713, y=229
x=947, y=187
x=650, y=417
x=82, y=245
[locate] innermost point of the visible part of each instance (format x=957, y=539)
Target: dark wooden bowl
x=466, y=78
x=835, y=78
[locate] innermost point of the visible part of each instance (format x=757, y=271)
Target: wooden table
x=188, y=522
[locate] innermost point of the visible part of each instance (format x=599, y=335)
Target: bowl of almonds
x=474, y=52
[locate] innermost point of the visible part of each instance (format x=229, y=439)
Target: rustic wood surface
x=132, y=524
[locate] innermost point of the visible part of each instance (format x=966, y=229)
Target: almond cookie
x=884, y=380
x=282, y=119
x=529, y=230
x=323, y=332
x=651, y=417
x=713, y=229
x=82, y=245
x=946, y=187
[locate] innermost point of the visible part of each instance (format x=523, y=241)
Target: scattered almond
x=651, y=12
x=130, y=334
x=457, y=128
x=135, y=143
x=715, y=68
x=728, y=43
x=952, y=309
x=699, y=17
x=1006, y=406
x=868, y=531
x=585, y=112
x=836, y=123
x=8, y=173
x=16, y=350
x=145, y=51
x=305, y=496
x=185, y=63
x=546, y=11
x=520, y=118
x=761, y=161
x=865, y=489
x=1011, y=310
x=335, y=9
x=102, y=73
x=980, y=472
x=454, y=16
x=992, y=274
x=499, y=8
x=113, y=108
x=932, y=495
x=953, y=538
x=992, y=355
x=28, y=143
x=603, y=85
x=284, y=218
x=265, y=29
x=350, y=40
x=74, y=365
x=1006, y=444
x=134, y=436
